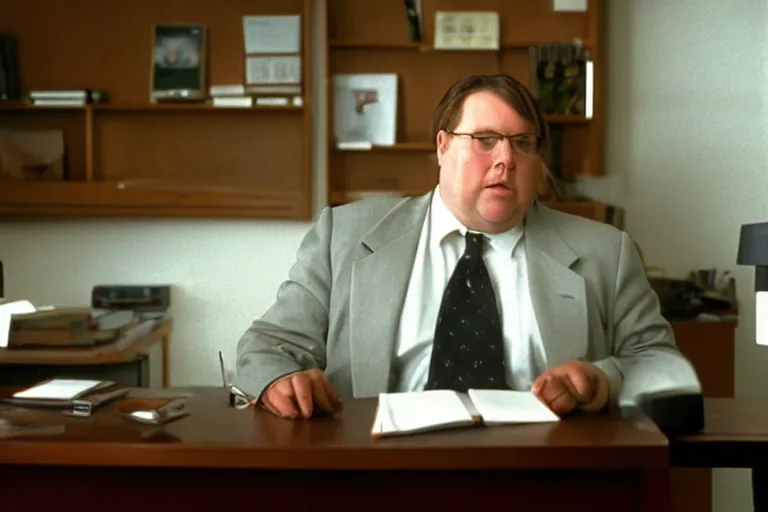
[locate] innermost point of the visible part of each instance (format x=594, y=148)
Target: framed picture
x=178, y=63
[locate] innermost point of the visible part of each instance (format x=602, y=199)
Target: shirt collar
x=444, y=223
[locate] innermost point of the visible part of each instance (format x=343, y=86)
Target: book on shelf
x=10, y=85
x=273, y=58
x=232, y=101
x=413, y=16
x=241, y=96
x=66, y=97
x=365, y=108
x=424, y=411
x=226, y=90
x=562, y=78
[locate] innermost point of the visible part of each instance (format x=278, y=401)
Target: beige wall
x=688, y=157
x=688, y=152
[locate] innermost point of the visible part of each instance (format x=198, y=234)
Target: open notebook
x=423, y=411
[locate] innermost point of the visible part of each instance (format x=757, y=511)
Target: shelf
x=371, y=37
x=27, y=198
x=20, y=105
x=182, y=157
x=372, y=45
x=562, y=119
x=428, y=146
x=424, y=47
x=398, y=146
x=149, y=107
x=187, y=107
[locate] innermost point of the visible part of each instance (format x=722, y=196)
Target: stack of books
x=65, y=97
x=245, y=97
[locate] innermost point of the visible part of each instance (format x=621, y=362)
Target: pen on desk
x=223, y=373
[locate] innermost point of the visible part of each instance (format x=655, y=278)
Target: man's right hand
x=301, y=395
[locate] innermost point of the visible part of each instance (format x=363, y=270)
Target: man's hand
x=575, y=384
x=301, y=395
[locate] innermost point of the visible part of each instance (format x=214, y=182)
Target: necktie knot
x=474, y=247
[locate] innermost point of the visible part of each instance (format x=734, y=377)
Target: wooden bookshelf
x=131, y=157
x=372, y=37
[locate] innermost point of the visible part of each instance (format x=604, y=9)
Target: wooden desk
x=122, y=351
x=735, y=436
x=219, y=457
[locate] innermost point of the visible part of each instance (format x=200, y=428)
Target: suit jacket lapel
x=379, y=283
x=557, y=292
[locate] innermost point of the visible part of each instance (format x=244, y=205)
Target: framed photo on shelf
x=178, y=68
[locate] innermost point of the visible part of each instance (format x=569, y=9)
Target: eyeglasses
x=485, y=142
x=238, y=398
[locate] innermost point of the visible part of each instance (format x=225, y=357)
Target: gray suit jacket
x=340, y=307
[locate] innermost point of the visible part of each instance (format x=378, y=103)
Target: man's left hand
x=575, y=384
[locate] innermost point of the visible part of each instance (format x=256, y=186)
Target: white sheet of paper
x=422, y=410
x=7, y=310
x=498, y=406
x=272, y=34
x=58, y=389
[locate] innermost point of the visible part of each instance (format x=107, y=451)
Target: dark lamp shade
x=753, y=245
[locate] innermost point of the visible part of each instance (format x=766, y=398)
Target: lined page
x=498, y=406
x=409, y=412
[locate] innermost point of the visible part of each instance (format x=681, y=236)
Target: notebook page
x=58, y=389
x=498, y=406
x=419, y=411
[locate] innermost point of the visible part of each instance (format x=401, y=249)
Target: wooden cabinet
x=132, y=157
x=372, y=37
x=711, y=348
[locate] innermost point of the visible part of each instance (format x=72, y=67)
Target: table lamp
x=753, y=250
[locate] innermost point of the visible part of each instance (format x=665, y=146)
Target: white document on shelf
x=272, y=34
x=273, y=70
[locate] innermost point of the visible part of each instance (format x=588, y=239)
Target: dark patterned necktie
x=468, y=348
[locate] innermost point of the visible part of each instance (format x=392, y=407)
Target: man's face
x=487, y=186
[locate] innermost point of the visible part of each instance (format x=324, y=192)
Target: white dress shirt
x=441, y=244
